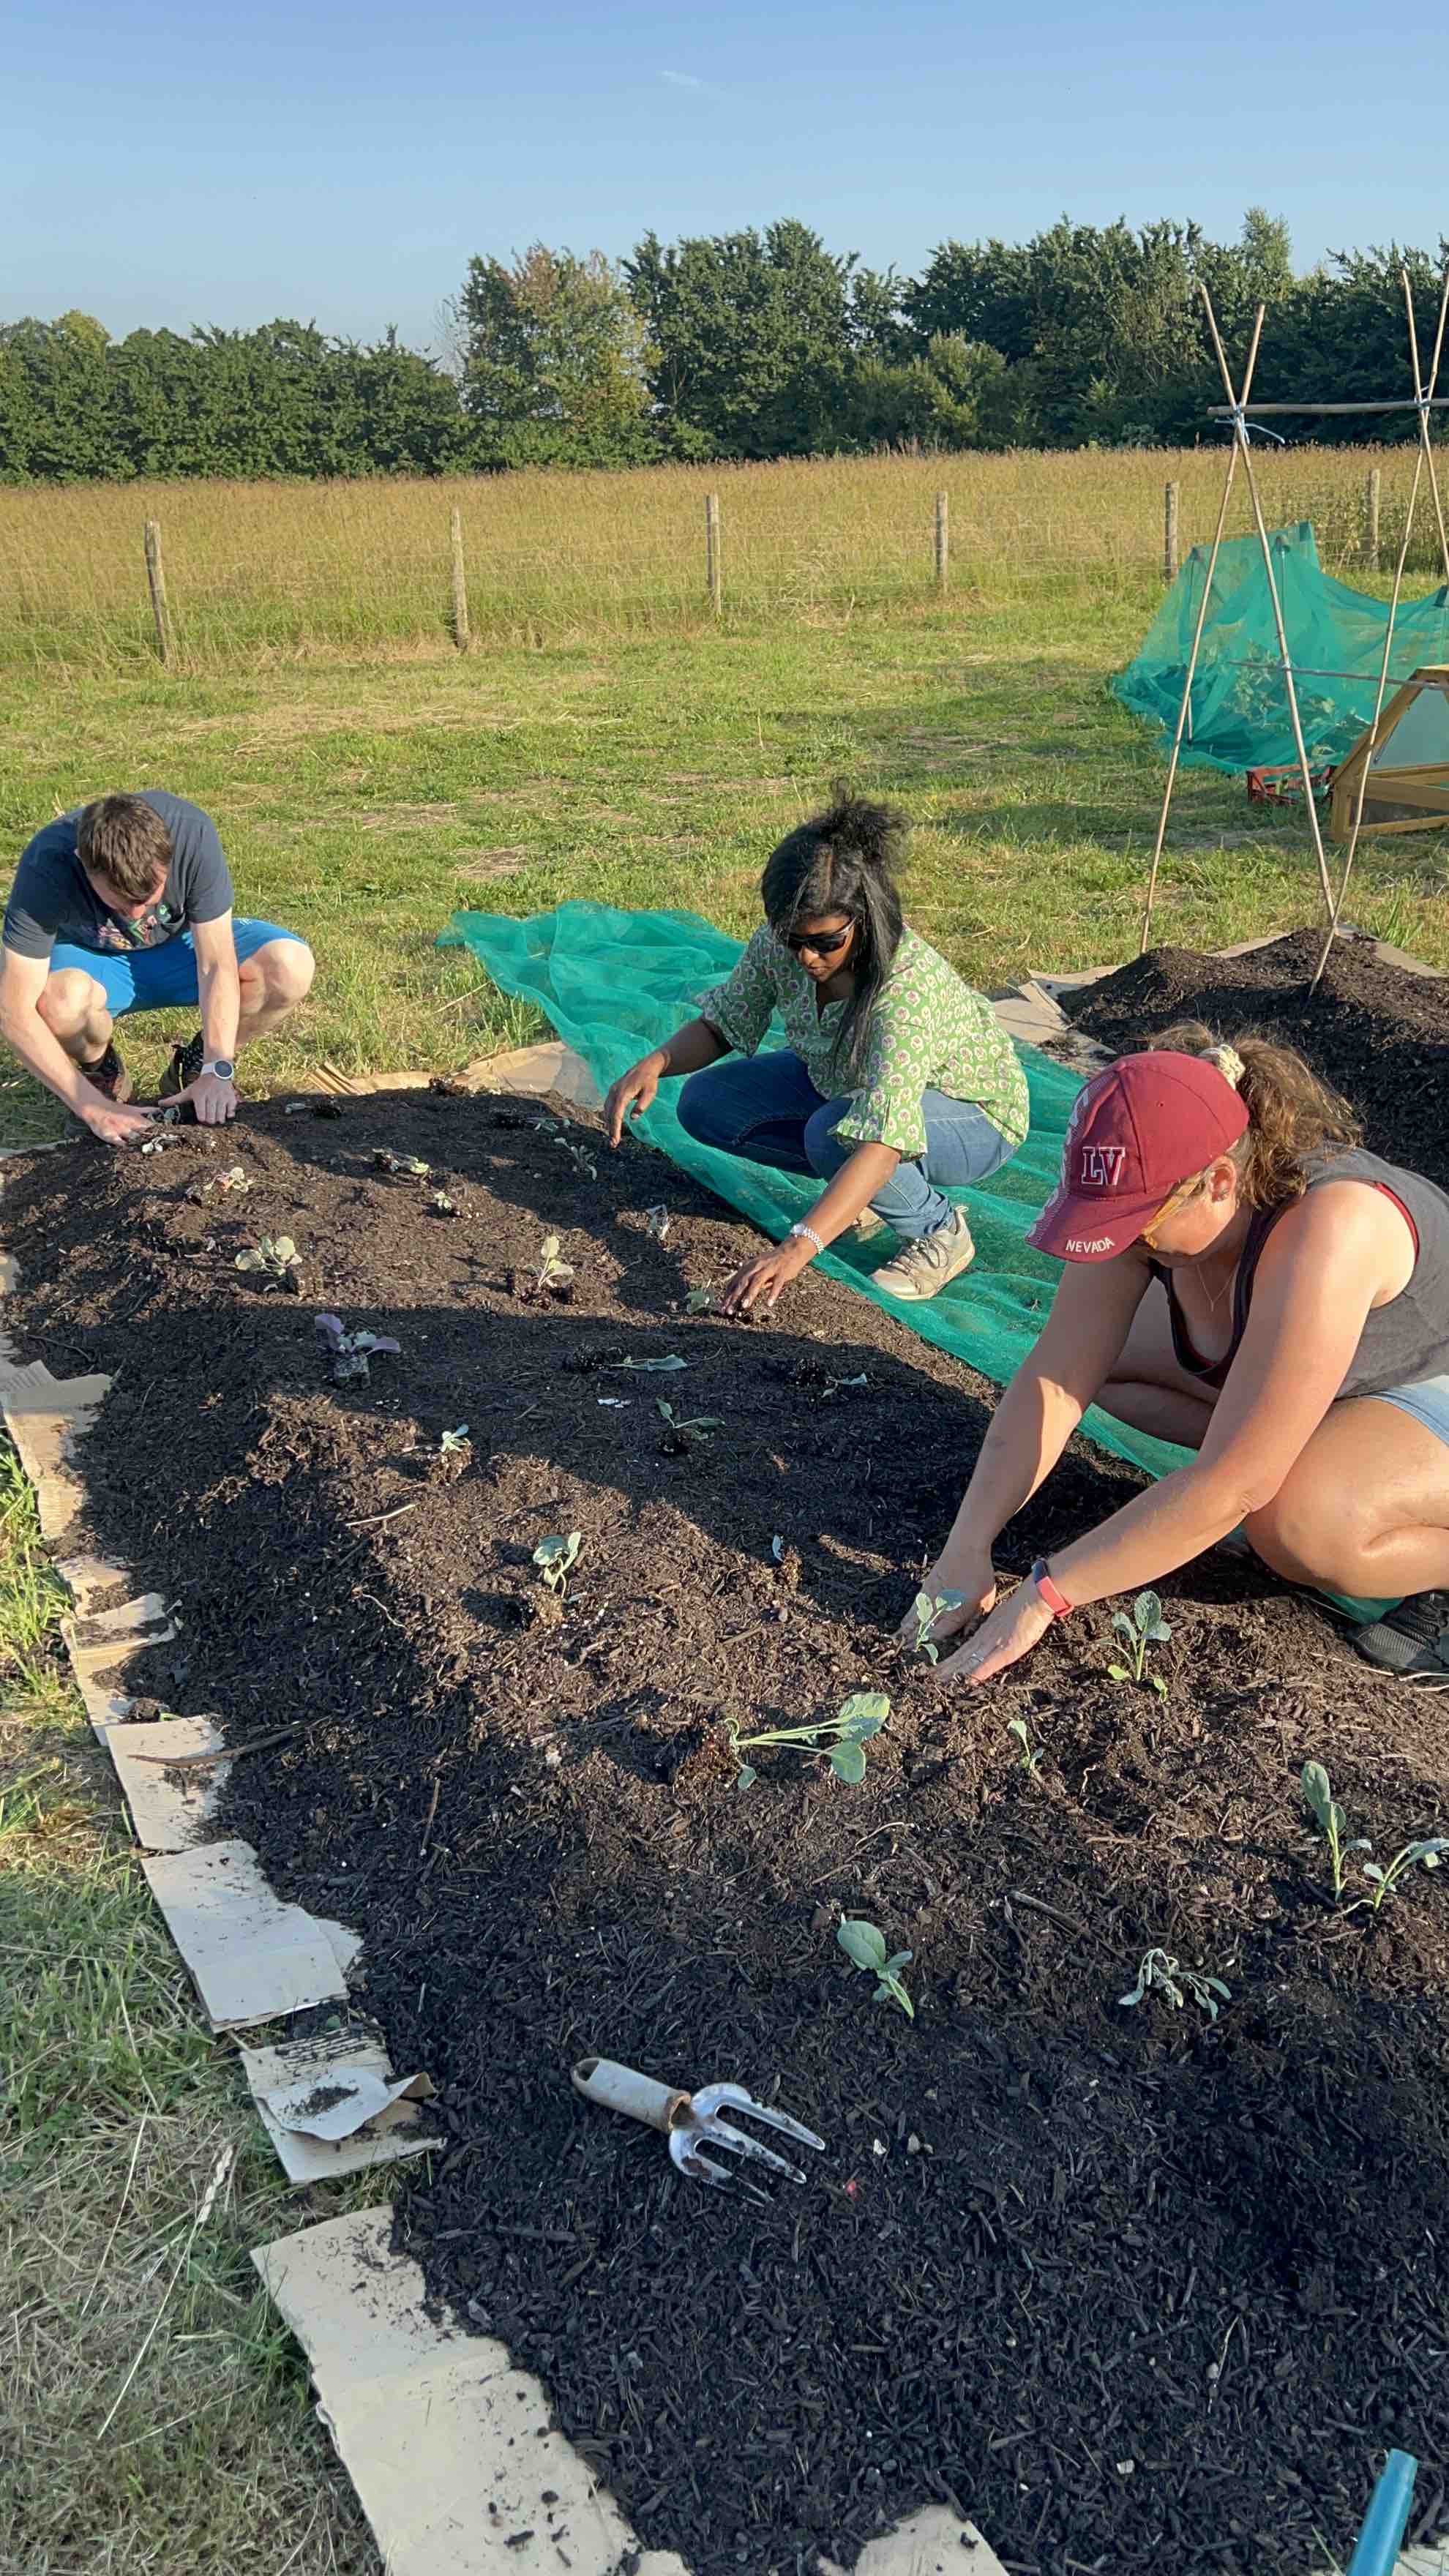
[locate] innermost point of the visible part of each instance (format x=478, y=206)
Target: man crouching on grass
x=126, y=905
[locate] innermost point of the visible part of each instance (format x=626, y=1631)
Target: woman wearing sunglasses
x=1243, y=1280
x=896, y=1080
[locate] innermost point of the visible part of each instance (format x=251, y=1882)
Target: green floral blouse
x=928, y=1032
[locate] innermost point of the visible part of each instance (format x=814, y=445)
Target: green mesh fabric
x=1239, y=716
x=614, y=984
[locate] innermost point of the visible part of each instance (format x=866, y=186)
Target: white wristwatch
x=222, y=1067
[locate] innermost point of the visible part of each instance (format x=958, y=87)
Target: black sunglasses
x=823, y=943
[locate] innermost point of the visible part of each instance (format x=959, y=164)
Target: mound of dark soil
x=1136, y=2287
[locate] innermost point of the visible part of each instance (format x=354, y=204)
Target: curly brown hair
x=1292, y=1116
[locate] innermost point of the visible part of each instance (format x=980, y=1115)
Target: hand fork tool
x=690, y=2121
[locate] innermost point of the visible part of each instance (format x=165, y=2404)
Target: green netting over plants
x=1239, y=716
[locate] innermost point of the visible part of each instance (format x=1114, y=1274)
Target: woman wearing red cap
x=1242, y=1279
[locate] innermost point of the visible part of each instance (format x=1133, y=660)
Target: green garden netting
x=614, y=983
x=1239, y=717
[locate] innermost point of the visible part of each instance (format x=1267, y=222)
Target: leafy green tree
x=750, y=340
x=554, y=361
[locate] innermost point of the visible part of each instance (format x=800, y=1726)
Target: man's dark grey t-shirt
x=52, y=899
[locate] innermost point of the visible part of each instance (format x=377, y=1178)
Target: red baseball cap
x=1138, y=1130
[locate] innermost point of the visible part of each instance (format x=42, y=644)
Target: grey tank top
x=1401, y=1343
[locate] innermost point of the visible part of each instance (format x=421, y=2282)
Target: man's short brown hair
x=124, y=840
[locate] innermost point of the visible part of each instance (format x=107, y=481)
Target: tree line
x=737, y=346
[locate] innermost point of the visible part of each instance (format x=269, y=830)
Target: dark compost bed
x=1135, y=2289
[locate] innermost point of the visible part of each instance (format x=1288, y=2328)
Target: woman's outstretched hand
x=964, y=1591
x=1013, y=1628
x=633, y=1093
x=765, y=1276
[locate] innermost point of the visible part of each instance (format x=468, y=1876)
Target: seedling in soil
x=702, y=1301
x=657, y=1221
x=1142, y=1627
x=552, y=1275
x=681, y=1436
x=840, y=1740
x=926, y=1609
x=846, y=1386
x=409, y=1167
x=351, y=1352
x=554, y=1557
x=280, y=1263
x=581, y=1161
x=864, y=1946
x=235, y=1179
x=658, y=1365
x=1319, y=1799
x=157, y=1144
x=455, y=1444
x=1159, y=1973
x=1031, y=1754
x=1425, y=1855
x=442, y=1205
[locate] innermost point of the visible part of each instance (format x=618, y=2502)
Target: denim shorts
x=1427, y=1402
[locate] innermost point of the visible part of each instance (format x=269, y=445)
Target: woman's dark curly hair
x=844, y=860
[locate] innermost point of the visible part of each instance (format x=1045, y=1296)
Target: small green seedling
x=409, y=1167
x=554, y=1558
x=702, y=1301
x=840, y=1740
x=844, y=1385
x=453, y=1444
x=926, y=1609
x=235, y=1179
x=279, y=1261
x=441, y=1204
x=698, y=1428
x=350, y=1353
x=551, y=1274
x=1030, y=1753
x=1318, y=1797
x=864, y=1946
x=157, y=1144
x=1424, y=1855
x=657, y=1221
x=581, y=1161
x=1144, y=1626
x=658, y=1365
x=1161, y=1974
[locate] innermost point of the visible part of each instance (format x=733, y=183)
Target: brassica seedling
x=279, y=1260
x=410, y=1166
x=660, y=1365
x=441, y=1204
x=842, y=1739
x=840, y=1385
x=157, y=1144
x=235, y=1179
x=698, y=1427
x=551, y=1272
x=453, y=1443
x=351, y=1352
x=1318, y=1797
x=554, y=1557
x=1144, y=1626
x=581, y=1161
x=1030, y=1753
x=657, y=1221
x=1160, y=1973
x=701, y=1301
x=864, y=1946
x=1423, y=1855
x=926, y=1610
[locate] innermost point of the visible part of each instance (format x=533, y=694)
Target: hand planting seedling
x=280, y=1263
x=409, y=1167
x=1161, y=1974
x=657, y=1221
x=1030, y=1753
x=864, y=1946
x=840, y=1740
x=350, y=1352
x=926, y=1609
x=1143, y=1627
x=685, y=1435
x=1318, y=1797
x=554, y=1557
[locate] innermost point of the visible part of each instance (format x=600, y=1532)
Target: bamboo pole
x=1169, y=532
x=1183, y=710
x=713, y=559
x=943, y=540
x=460, y=582
x=1426, y=393
x=156, y=579
x=1419, y=461
x=1240, y=436
x=1321, y=411
x=1372, y=495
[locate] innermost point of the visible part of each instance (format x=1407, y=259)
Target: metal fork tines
x=692, y=2122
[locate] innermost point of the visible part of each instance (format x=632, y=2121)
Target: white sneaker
x=923, y=1268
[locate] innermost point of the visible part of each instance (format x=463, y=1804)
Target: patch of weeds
x=865, y=1947
x=1031, y=1754
x=680, y=1437
x=350, y=1353
x=1159, y=1973
x=1142, y=1627
x=840, y=1740
x=1385, y=1877
x=279, y=1263
x=408, y=1167
x=926, y=1609
x=554, y=1558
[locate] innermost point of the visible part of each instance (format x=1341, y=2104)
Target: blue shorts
x=156, y=979
x=1427, y=1402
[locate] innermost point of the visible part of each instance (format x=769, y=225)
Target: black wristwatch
x=224, y=1070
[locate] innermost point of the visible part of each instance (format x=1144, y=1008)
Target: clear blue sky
x=176, y=161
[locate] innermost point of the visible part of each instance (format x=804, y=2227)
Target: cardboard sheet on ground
x=374, y=2122
x=252, y=1957
x=448, y=2446
x=170, y=1808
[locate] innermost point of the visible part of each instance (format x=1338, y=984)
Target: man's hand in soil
x=213, y=1100
x=1014, y=1627
x=766, y=1276
x=115, y=1124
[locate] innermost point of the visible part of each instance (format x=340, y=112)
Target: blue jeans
x=766, y=1109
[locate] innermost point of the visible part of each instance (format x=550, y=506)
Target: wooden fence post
x=1371, y=518
x=1169, y=533
x=943, y=540
x=157, y=579
x=712, y=552
x=460, y=584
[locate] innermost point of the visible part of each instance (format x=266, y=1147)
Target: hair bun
x=1229, y=1064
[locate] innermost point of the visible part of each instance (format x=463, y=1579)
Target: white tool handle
x=639, y=2097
